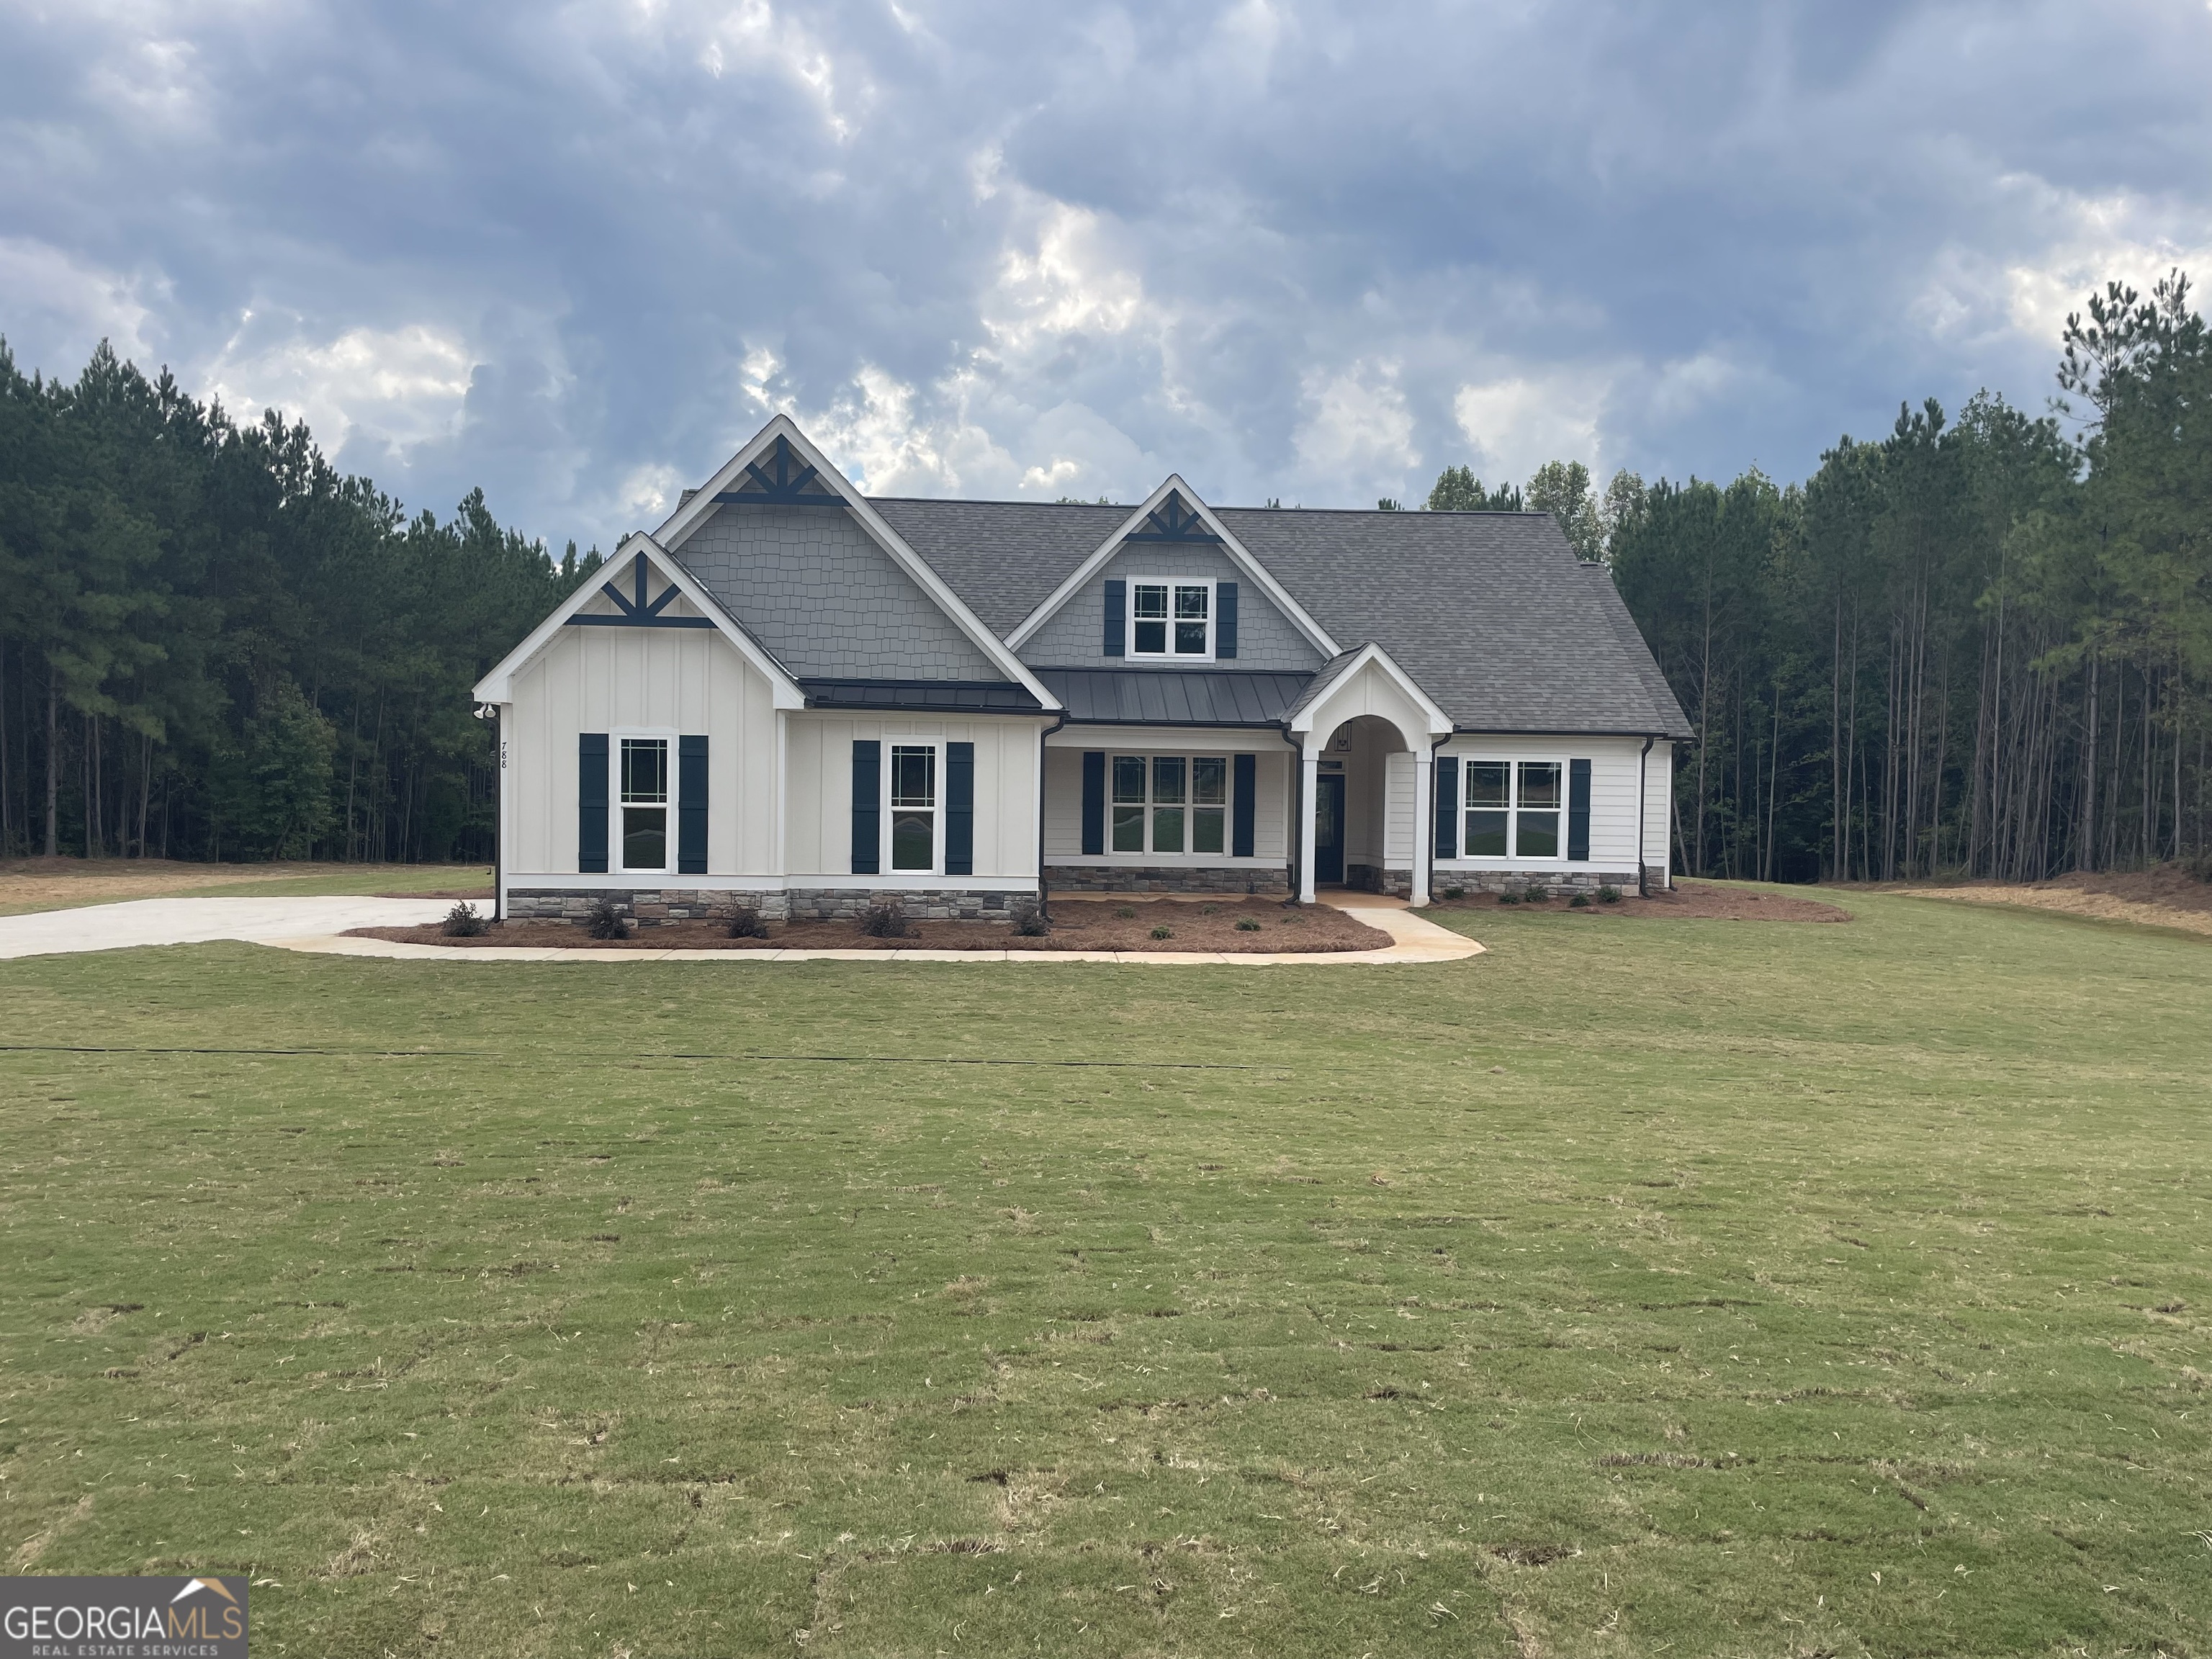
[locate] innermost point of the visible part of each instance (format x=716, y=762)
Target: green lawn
x=1638, y=1287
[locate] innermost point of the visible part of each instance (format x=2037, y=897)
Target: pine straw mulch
x=1686, y=901
x=1078, y=925
x=2167, y=896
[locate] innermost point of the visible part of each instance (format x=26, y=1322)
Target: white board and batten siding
x=818, y=795
x=1063, y=789
x=666, y=682
x=1614, y=767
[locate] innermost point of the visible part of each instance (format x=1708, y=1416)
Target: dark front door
x=1328, y=828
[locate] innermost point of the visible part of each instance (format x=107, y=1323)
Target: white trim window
x=645, y=840
x=1168, y=804
x=914, y=825
x=1171, y=616
x=1514, y=809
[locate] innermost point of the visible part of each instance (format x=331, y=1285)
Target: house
x=795, y=696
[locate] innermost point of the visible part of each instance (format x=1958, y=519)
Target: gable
x=1074, y=634
x=818, y=591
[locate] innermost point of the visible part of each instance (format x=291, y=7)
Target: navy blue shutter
x=959, y=809
x=691, y=806
x=868, y=797
x=1578, y=793
x=1243, y=771
x=1117, y=618
x=592, y=803
x=1094, y=802
x=1224, y=620
x=1447, y=804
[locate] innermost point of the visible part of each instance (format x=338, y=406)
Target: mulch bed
x=1686, y=901
x=1078, y=925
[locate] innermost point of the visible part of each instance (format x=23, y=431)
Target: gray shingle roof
x=1491, y=612
x=1002, y=558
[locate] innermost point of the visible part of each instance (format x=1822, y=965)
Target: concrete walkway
x=196, y=921
x=319, y=925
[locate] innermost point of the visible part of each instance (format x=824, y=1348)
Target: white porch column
x=1308, y=793
x=1424, y=821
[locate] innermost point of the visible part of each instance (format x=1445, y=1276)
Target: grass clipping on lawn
x=1666, y=1287
x=1078, y=925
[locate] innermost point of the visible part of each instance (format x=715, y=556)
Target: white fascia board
x=1239, y=555
x=1374, y=657
x=498, y=685
x=694, y=513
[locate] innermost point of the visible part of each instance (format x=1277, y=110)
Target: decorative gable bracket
x=637, y=612
x=1172, y=521
x=785, y=485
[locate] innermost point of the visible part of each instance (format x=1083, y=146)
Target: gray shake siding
x=816, y=591
x=1265, y=640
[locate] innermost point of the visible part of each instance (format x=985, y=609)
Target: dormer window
x=1171, y=619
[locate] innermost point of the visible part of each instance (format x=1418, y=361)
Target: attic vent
x=684, y=500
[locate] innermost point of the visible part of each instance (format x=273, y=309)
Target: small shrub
x=1029, y=921
x=885, y=919
x=1509, y=896
x=1579, y=901
x=603, y=920
x=462, y=921
x=1609, y=895
x=1535, y=895
x=745, y=923
x=1164, y=932
x=1209, y=910
x=1127, y=912
x=1454, y=892
x=1246, y=925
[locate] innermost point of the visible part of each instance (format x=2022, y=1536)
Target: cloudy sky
x=575, y=253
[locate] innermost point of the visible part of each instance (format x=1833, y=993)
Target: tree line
x=212, y=646
x=1979, y=645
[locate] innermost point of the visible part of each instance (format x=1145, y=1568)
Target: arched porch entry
x=1366, y=734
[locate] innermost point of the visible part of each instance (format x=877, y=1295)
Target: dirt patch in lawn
x=2170, y=895
x=1685, y=901
x=1078, y=925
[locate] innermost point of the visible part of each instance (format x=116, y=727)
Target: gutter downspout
x=1643, y=789
x=1297, y=835
x=1044, y=893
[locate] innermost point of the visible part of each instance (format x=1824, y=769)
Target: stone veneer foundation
x=1505, y=881
x=1074, y=878
x=653, y=907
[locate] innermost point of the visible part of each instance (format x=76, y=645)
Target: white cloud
x=396, y=389
x=1517, y=423
x=1067, y=282
x=59, y=306
x=1356, y=433
x=650, y=491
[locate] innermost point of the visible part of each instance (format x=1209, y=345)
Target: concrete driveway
x=194, y=920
